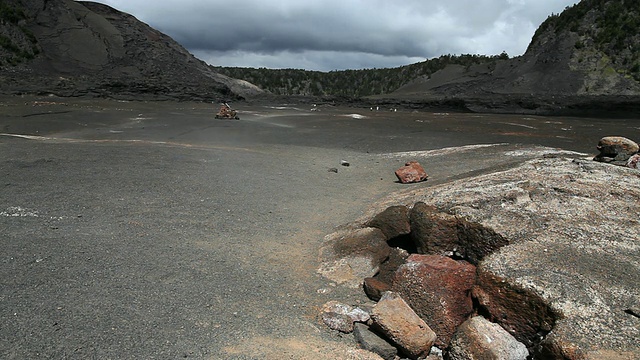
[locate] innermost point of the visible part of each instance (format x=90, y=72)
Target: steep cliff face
x=591, y=49
x=599, y=40
x=73, y=48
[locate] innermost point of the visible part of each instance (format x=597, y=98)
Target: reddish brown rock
x=411, y=172
x=438, y=288
x=397, y=321
x=433, y=232
x=374, y=288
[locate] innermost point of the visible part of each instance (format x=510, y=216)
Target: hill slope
x=73, y=48
x=349, y=83
x=590, y=52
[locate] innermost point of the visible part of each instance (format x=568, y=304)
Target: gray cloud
x=342, y=34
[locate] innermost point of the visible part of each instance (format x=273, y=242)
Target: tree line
x=611, y=27
x=349, y=83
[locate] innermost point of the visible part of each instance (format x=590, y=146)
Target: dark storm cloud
x=275, y=30
x=331, y=34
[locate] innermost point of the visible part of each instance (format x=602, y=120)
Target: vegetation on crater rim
x=11, y=52
x=609, y=26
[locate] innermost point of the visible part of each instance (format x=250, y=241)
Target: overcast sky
x=329, y=35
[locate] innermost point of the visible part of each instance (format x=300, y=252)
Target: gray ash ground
x=154, y=230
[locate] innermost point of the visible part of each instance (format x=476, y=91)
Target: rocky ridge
x=76, y=48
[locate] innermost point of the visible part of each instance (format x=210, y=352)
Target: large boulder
x=616, y=150
x=438, y=289
x=436, y=232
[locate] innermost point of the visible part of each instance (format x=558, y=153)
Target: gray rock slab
x=574, y=242
x=353, y=255
x=478, y=338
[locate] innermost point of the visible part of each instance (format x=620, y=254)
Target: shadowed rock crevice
x=404, y=242
x=522, y=313
x=633, y=312
x=438, y=233
x=424, y=229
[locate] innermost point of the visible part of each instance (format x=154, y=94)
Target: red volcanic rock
x=411, y=172
x=374, y=288
x=438, y=288
x=396, y=320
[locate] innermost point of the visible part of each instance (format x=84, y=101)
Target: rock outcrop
x=76, y=48
x=564, y=282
